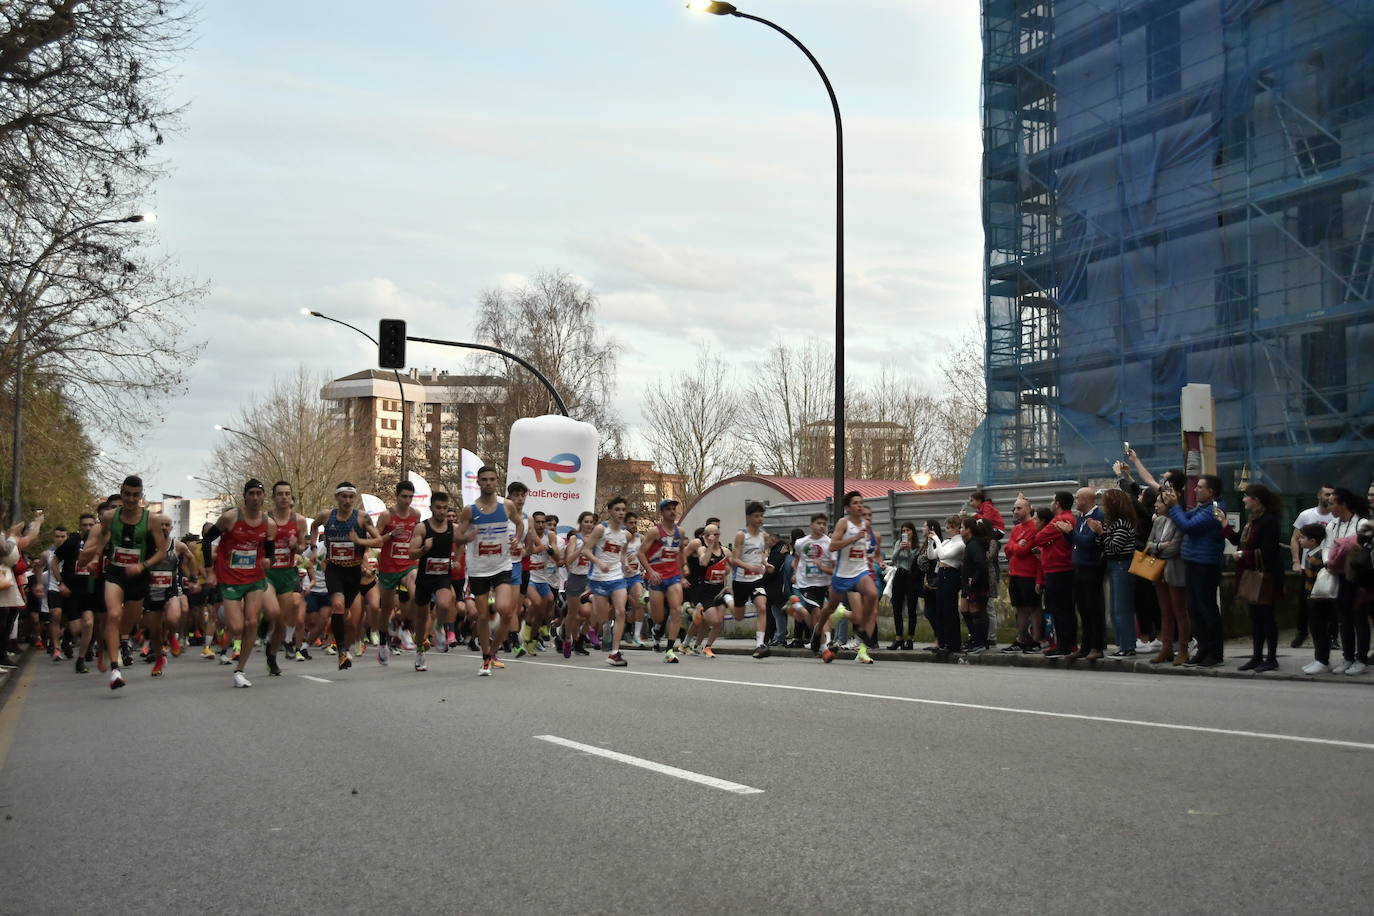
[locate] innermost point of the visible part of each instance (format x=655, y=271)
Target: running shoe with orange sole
x=158, y=666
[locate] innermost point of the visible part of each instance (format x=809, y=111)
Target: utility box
x=1195, y=409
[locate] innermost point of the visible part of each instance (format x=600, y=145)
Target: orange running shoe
x=159, y=665
x=176, y=645
x=708, y=653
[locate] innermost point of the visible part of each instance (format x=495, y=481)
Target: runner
x=749, y=559
x=635, y=598
x=706, y=570
x=53, y=595
x=544, y=562
x=851, y=580
x=395, y=568
x=577, y=615
x=432, y=546
x=132, y=540
x=605, y=548
x=814, y=568
x=284, y=576
x=516, y=493
x=484, y=527
x=463, y=597
x=347, y=533
x=240, y=573
x=660, y=555
x=161, y=615
x=316, y=600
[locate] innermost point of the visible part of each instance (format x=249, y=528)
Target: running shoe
x=863, y=656
x=840, y=613
x=567, y=645
x=331, y=649
x=303, y=653
x=594, y=638
x=580, y=649
x=299, y=654
x=376, y=640
x=761, y=652
x=708, y=653
x=407, y=641
x=225, y=659
x=345, y=662
x=81, y=666
x=175, y=643
x=240, y=680
x=853, y=644
x=207, y=652
x=234, y=657
x=272, y=668
x=486, y=668
x=670, y=657
x=828, y=655
x=158, y=666
x=420, y=662
x=383, y=656
x=452, y=640
x=39, y=644
x=57, y=655
x=689, y=650
x=520, y=651
x=144, y=652
x=497, y=663
x=116, y=679
x=616, y=660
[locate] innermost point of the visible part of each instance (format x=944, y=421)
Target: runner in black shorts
x=81, y=590
x=432, y=545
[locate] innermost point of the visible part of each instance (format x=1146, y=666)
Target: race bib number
x=400, y=550
x=243, y=559
x=126, y=556
x=281, y=556
x=632, y=563
x=811, y=568
x=160, y=578
x=669, y=553
x=83, y=570
x=611, y=548
x=436, y=566
x=488, y=548
x=857, y=553
x=341, y=552
x=715, y=576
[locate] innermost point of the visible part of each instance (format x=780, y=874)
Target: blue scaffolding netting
x=1178, y=191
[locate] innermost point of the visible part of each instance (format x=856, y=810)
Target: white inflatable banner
x=373, y=506
x=470, y=464
x=556, y=458
x=422, y=494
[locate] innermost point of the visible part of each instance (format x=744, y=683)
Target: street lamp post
x=405, y=414
x=276, y=459
x=20, y=312
x=716, y=8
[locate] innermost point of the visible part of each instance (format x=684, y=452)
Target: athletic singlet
x=489, y=553
x=853, y=560
x=339, y=550
x=714, y=572
x=128, y=543
x=664, y=557
x=752, y=552
x=438, y=559
x=609, y=549
x=517, y=548
x=396, y=553
x=458, y=568
x=281, y=547
x=543, y=569
x=580, y=564
x=163, y=576
x=241, y=548
x=631, y=562
x=317, y=584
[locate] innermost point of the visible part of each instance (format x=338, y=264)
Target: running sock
x=639, y=630
x=758, y=639
x=336, y=625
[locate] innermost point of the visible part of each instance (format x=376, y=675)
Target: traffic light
x=391, y=344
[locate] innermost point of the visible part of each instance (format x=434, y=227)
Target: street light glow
x=218, y=427
x=714, y=7
x=148, y=217
x=921, y=480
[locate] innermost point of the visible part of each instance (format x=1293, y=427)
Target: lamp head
x=714, y=7
x=218, y=427
x=921, y=480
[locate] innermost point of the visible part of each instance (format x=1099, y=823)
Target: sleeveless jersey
x=458, y=568
x=128, y=543
x=631, y=562
x=240, y=550
x=853, y=560
x=580, y=564
x=396, y=553
x=714, y=572
x=752, y=553
x=163, y=576
x=339, y=550
x=438, y=559
x=543, y=569
x=666, y=553
x=489, y=554
x=281, y=547
x=610, y=549
x=517, y=548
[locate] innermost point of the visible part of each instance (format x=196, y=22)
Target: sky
x=395, y=160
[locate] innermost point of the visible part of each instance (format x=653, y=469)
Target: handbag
x=6, y=577
x=1147, y=567
x=1253, y=587
x=1324, y=588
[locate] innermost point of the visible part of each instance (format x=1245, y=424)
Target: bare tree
x=552, y=324
x=690, y=420
x=794, y=388
x=963, y=403
x=295, y=436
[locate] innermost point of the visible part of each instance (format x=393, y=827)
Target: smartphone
x=1126, y=448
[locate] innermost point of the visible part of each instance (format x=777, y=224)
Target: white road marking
x=1171, y=726
x=723, y=784
x=317, y=680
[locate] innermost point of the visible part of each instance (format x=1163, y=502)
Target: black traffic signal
x=391, y=343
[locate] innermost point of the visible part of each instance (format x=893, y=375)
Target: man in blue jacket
x=1203, y=547
x=1089, y=572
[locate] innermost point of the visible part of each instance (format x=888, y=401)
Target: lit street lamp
x=276, y=459
x=716, y=8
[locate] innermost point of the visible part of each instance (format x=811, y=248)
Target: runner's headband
x=353, y=490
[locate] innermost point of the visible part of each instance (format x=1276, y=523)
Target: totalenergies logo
x=561, y=468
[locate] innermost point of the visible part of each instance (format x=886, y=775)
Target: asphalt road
x=886, y=788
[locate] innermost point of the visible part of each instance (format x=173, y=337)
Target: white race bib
x=436, y=566
x=125, y=556
x=243, y=559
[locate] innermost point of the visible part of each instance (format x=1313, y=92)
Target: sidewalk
x=1237, y=653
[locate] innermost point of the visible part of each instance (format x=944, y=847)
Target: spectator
x=1260, y=551
x=997, y=527
x=976, y=581
x=1118, y=548
x=1202, y=551
x=1165, y=541
x=1348, y=510
x=1088, y=574
x=1319, y=515
x=1056, y=565
x=906, y=588
x=949, y=557
x=926, y=563
x=1023, y=568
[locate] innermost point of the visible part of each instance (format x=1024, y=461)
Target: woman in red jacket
x=1056, y=562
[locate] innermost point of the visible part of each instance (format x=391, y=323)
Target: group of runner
x=486, y=574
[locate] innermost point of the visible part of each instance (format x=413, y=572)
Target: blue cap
x=666, y=502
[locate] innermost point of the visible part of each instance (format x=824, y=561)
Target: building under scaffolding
x=1178, y=191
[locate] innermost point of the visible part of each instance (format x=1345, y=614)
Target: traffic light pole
x=562, y=408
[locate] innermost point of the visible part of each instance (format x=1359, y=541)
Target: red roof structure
x=814, y=489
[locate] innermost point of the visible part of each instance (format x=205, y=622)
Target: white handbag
x=1324, y=588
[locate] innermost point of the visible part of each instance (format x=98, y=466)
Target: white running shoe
x=1357, y=667
x=1142, y=646
x=853, y=644
x=1340, y=666
x=420, y=662
x=407, y=641
x=1315, y=667
x=383, y=655
x=241, y=681
x=116, y=679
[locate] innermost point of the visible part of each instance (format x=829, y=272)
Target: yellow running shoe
x=207, y=652
x=497, y=663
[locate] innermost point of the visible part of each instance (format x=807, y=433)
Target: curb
x=996, y=658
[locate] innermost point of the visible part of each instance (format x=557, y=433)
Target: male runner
x=661, y=556
x=749, y=558
x=605, y=548
x=161, y=613
x=132, y=540
x=240, y=572
x=347, y=533
x=634, y=581
x=851, y=581
x=395, y=567
x=542, y=553
x=283, y=576
x=54, y=594
x=484, y=528
x=76, y=583
x=814, y=567
x=432, y=546
x=516, y=493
